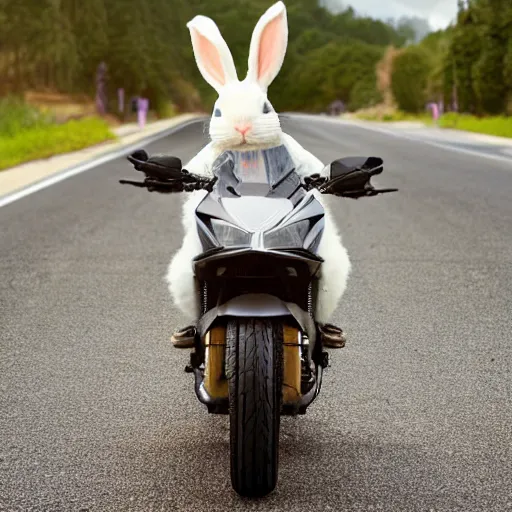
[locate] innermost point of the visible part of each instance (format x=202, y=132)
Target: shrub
x=364, y=94
x=17, y=116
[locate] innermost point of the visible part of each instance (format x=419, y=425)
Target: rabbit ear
x=268, y=46
x=212, y=54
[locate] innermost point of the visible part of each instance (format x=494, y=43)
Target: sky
x=439, y=13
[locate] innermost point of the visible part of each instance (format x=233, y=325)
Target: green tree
x=56, y=52
x=409, y=79
x=330, y=73
x=58, y=45
x=508, y=65
x=129, y=57
x=489, y=77
x=440, y=80
x=464, y=52
x=91, y=29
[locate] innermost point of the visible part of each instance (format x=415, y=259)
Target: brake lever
x=357, y=194
x=168, y=187
x=384, y=191
x=155, y=185
x=140, y=184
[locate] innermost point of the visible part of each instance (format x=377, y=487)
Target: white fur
x=277, y=11
x=241, y=103
x=201, y=26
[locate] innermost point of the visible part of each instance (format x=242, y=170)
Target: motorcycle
x=258, y=351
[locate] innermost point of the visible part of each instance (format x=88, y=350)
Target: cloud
x=439, y=13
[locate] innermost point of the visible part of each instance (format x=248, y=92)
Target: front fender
x=259, y=305
x=254, y=304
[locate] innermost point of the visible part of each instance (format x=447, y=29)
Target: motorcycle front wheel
x=254, y=369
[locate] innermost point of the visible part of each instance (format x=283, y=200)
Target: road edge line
x=413, y=139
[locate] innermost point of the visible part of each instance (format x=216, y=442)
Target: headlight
x=289, y=236
x=229, y=235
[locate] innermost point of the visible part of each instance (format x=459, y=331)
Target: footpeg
x=332, y=336
x=184, y=338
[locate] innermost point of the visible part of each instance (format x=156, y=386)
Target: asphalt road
x=472, y=143
x=97, y=414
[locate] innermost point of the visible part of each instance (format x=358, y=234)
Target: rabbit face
x=242, y=115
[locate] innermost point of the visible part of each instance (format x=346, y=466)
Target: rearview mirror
x=343, y=166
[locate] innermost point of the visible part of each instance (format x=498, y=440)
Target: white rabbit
x=244, y=119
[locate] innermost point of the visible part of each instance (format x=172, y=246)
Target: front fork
x=215, y=382
x=300, y=385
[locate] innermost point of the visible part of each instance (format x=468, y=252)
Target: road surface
x=97, y=414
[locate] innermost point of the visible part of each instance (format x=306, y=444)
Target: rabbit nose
x=243, y=129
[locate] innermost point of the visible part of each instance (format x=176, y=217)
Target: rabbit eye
x=217, y=112
x=266, y=108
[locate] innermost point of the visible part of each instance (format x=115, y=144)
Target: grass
x=29, y=133
x=403, y=116
x=500, y=126
x=388, y=115
x=45, y=140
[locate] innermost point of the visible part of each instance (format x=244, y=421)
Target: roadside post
x=434, y=107
x=142, y=111
x=120, y=100
x=101, y=95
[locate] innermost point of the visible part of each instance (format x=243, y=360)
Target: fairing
x=258, y=203
x=260, y=232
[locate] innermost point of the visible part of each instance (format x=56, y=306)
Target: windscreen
x=265, y=172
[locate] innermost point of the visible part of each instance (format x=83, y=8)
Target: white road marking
x=408, y=137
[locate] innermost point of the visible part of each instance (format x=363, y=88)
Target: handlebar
x=348, y=177
x=165, y=174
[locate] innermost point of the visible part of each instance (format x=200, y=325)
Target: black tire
x=254, y=372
